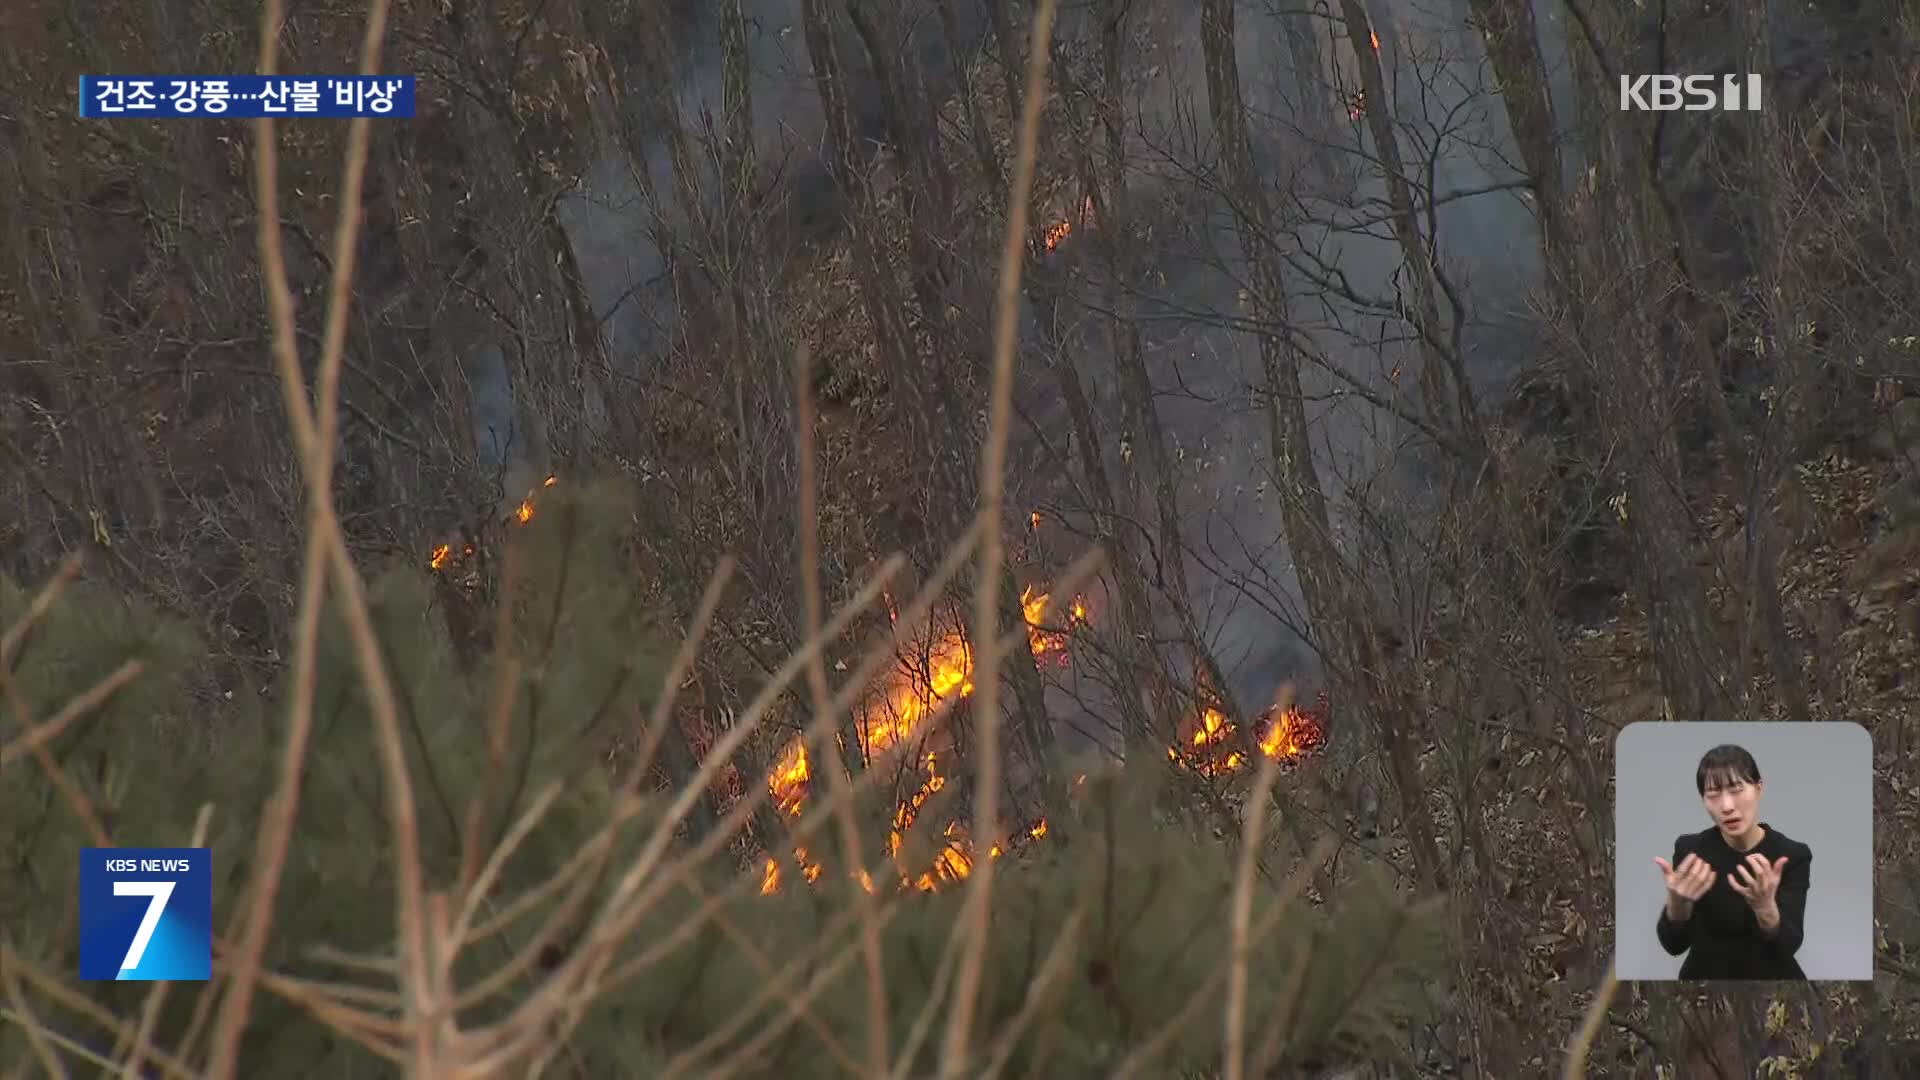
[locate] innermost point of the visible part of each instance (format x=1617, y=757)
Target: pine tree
x=1113, y=929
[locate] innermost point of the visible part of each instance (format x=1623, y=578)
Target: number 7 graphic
x=158, y=893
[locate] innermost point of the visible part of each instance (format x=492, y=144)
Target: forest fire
x=443, y=556
x=1057, y=234
x=1285, y=733
x=942, y=672
x=524, y=512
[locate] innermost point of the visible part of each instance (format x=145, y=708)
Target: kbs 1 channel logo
x=146, y=914
x=1690, y=93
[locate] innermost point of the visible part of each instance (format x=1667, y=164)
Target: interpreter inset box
x=1743, y=851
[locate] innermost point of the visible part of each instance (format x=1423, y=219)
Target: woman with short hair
x=1737, y=891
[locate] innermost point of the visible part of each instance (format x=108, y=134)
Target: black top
x=1722, y=938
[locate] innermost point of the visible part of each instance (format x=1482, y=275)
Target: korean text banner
x=247, y=97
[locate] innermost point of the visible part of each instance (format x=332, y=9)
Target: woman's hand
x=1685, y=883
x=1757, y=880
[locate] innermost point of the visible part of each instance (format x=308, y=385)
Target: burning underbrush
x=939, y=675
x=446, y=558
x=1213, y=746
x=669, y=960
x=896, y=730
x=934, y=673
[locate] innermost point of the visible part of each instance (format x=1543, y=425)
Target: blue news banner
x=146, y=914
x=247, y=97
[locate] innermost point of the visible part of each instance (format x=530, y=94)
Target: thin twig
x=877, y=1035
x=23, y=1015
x=771, y=976
x=71, y=793
x=506, y=684
x=1040, y=988
x=35, y=739
x=1250, y=837
x=936, y=996
x=43, y=602
x=1582, y=1045
x=557, y=1005
x=603, y=945
x=822, y=979
x=488, y=874
x=661, y=720
x=73, y=1001
x=986, y=602
x=1145, y=1052
x=315, y=433
x=255, y=920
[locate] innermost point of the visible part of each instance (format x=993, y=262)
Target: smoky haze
x=1204, y=371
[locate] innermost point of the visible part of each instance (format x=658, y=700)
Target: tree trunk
x=1361, y=671
x=1632, y=383
x=1440, y=367
x=1513, y=48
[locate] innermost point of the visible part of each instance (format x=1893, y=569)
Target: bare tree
x=1363, y=672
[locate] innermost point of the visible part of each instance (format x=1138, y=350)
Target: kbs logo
x=1689, y=93
x=146, y=914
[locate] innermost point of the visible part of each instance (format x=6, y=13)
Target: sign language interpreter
x=1736, y=892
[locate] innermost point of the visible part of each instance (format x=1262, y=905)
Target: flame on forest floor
x=1057, y=234
x=940, y=674
x=444, y=557
x=952, y=862
x=1284, y=733
x=896, y=711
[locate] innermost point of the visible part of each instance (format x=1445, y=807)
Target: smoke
x=611, y=221
x=611, y=224
x=1241, y=576
x=492, y=402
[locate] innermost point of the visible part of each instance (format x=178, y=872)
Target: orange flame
x=524, y=513
x=943, y=673
x=1058, y=232
x=1285, y=734
x=443, y=556
x=1376, y=40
